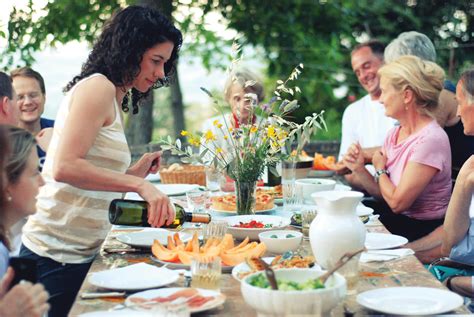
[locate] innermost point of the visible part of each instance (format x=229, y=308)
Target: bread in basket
x=183, y=174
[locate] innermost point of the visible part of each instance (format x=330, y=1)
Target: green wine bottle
x=135, y=213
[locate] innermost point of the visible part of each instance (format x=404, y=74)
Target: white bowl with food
x=313, y=185
x=296, y=295
x=280, y=241
x=251, y=225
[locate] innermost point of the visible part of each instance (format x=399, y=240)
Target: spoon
x=269, y=273
x=343, y=260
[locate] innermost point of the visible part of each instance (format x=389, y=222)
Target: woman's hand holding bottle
x=160, y=210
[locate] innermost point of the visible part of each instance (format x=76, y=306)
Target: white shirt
x=364, y=121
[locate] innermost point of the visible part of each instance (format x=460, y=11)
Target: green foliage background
x=319, y=34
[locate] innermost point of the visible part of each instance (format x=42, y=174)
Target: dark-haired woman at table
x=88, y=159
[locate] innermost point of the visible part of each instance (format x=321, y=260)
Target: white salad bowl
x=313, y=185
x=280, y=241
x=295, y=302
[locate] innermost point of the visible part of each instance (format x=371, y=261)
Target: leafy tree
x=319, y=34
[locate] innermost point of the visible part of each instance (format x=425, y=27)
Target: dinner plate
x=342, y=187
x=167, y=189
x=235, y=212
x=133, y=277
x=164, y=292
x=145, y=238
x=243, y=267
x=181, y=266
x=410, y=300
x=153, y=177
x=363, y=210
x=127, y=312
x=321, y=173
x=379, y=241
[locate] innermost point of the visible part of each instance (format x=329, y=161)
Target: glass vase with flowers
x=244, y=150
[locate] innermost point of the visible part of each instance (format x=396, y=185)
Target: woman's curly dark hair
x=119, y=50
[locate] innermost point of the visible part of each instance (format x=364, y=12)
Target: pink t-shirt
x=429, y=146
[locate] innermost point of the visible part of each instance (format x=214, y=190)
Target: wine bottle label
x=201, y=217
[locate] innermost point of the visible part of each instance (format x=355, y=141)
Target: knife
x=92, y=295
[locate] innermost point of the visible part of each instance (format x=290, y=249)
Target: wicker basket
x=190, y=174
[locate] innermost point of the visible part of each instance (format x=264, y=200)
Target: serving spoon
x=270, y=274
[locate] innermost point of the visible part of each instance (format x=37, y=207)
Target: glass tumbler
x=206, y=272
x=197, y=200
x=214, y=229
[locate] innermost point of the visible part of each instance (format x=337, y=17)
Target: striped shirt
x=71, y=223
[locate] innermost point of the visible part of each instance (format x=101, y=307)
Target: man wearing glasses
x=31, y=97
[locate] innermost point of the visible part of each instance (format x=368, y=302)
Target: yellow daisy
x=209, y=136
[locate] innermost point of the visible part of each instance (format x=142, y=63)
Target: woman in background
x=19, y=187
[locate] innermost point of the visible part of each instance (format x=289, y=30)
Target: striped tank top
x=71, y=223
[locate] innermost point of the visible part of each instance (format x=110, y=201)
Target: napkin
x=384, y=255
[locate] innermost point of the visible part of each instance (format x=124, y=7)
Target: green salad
x=260, y=280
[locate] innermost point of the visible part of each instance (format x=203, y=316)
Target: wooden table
x=407, y=271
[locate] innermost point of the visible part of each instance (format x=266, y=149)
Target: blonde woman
x=19, y=187
x=413, y=169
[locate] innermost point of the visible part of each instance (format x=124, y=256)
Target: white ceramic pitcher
x=336, y=229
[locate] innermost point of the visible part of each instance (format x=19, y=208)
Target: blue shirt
x=4, y=257
x=463, y=251
x=44, y=123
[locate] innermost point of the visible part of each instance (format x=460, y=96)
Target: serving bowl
x=280, y=241
x=269, y=222
x=312, y=185
x=278, y=302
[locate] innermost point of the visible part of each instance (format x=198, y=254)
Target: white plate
x=321, y=173
x=277, y=223
x=153, y=177
x=235, y=212
x=128, y=312
x=144, y=238
x=362, y=210
x=410, y=300
x=342, y=187
x=379, y=241
x=243, y=267
x=133, y=277
x=167, y=189
x=181, y=266
x=164, y=292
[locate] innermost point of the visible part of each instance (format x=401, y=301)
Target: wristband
x=379, y=173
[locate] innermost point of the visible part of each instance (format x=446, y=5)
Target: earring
x=406, y=108
x=126, y=102
x=9, y=198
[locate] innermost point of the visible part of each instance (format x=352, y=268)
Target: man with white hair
x=418, y=44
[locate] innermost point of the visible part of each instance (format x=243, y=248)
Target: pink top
x=429, y=146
